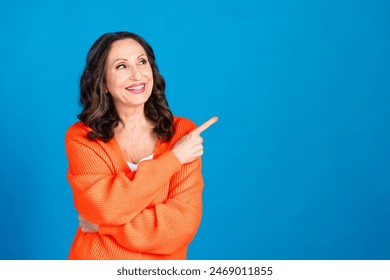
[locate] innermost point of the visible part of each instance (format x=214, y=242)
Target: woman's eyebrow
x=118, y=60
x=125, y=59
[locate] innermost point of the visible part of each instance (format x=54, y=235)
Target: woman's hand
x=190, y=146
x=86, y=226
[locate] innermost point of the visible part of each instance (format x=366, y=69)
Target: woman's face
x=129, y=76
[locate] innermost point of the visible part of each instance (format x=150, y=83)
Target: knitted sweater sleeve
x=106, y=197
x=166, y=227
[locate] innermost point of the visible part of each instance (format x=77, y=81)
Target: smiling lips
x=136, y=88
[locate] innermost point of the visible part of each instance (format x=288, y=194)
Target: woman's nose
x=136, y=74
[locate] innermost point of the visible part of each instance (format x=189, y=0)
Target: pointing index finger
x=205, y=125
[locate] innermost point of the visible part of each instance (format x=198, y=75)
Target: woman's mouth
x=136, y=88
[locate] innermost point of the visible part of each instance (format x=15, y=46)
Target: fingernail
x=215, y=118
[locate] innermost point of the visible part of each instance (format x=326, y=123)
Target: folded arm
x=166, y=227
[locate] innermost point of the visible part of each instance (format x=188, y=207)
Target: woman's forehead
x=125, y=48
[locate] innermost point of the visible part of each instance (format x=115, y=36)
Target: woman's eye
x=121, y=66
x=143, y=61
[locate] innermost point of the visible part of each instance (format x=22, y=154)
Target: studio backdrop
x=298, y=165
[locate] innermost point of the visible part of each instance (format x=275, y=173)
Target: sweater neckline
x=158, y=150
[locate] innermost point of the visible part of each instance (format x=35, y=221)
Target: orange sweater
x=152, y=213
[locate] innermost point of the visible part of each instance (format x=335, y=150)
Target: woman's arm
x=164, y=228
x=105, y=196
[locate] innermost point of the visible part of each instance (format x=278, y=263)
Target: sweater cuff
x=169, y=162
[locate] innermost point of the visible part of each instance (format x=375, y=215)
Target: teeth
x=136, y=88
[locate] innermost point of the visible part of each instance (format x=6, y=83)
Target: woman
x=134, y=169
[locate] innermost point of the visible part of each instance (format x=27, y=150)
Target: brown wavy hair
x=99, y=112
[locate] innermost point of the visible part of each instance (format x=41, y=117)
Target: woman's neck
x=133, y=121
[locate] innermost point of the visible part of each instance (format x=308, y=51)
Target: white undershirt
x=133, y=166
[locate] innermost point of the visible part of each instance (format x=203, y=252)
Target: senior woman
x=134, y=168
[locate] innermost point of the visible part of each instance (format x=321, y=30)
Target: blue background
x=297, y=166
